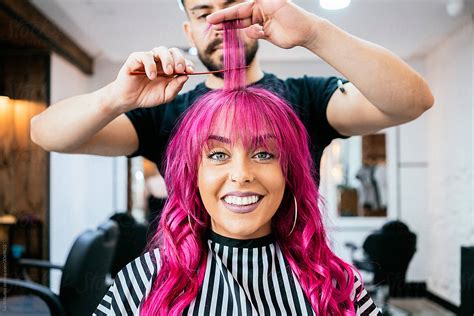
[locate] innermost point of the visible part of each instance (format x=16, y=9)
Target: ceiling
x=113, y=29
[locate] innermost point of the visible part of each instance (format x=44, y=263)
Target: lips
x=217, y=47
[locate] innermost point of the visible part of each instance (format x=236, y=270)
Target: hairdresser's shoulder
x=309, y=81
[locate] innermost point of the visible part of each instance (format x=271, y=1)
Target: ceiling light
x=454, y=7
x=334, y=4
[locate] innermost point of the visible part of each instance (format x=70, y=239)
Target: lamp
x=6, y=118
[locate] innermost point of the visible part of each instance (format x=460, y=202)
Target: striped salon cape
x=234, y=283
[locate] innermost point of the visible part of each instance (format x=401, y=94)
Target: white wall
x=82, y=190
x=449, y=174
x=412, y=195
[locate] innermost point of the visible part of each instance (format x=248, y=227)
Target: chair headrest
x=110, y=230
x=395, y=226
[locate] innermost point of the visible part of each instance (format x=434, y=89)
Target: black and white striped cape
x=234, y=283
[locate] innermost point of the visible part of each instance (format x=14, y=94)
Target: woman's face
x=241, y=188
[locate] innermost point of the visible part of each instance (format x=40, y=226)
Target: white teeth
x=237, y=200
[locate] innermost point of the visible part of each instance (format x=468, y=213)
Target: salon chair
x=84, y=281
x=388, y=252
x=467, y=281
x=131, y=241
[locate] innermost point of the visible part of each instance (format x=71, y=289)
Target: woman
x=241, y=232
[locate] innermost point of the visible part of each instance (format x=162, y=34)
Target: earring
x=296, y=215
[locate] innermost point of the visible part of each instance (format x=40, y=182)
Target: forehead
x=225, y=132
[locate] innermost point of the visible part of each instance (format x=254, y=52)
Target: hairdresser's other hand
x=278, y=21
x=149, y=90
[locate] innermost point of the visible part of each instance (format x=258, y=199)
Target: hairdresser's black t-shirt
x=309, y=97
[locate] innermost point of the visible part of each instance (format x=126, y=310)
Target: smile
x=244, y=204
x=237, y=200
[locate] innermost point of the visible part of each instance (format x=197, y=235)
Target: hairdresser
x=134, y=115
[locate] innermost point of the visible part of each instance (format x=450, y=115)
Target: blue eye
x=219, y=156
x=263, y=155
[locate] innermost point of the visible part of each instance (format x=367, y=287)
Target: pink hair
x=249, y=114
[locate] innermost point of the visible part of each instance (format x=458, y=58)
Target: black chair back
x=83, y=282
x=467, y=281
x=131, y=242
x=390, y=250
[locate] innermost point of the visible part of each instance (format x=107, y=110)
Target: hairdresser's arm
x=383, y=90
x=95, y=123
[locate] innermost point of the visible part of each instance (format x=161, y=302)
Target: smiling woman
x=242, y=231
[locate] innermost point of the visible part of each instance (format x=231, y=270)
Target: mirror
x=359, y=178
x=363, y=189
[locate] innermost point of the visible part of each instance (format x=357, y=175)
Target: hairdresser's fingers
x=140, y=60
x=179, y=62
x=163, y=54
x=189, y=66
x=243, y=23
x=255, y=31
x=236, y=12
x=173, y=87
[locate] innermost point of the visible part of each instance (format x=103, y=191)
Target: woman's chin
x=241, y=231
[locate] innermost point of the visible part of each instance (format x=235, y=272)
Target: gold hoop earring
x=296, y=215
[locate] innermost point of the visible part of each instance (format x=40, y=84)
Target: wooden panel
x=373, y=148
x=22, y=25
x=24, y=166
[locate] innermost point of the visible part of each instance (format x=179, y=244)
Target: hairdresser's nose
x=241, y=170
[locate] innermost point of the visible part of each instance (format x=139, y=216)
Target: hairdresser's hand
x=132, y=92
x=278, y=21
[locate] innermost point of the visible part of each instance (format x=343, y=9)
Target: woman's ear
x=188, y=32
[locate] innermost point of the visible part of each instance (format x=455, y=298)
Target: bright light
x=139, y=175
x=4, y=99
x=334, y=4
x=193, y=51
x=454, y=7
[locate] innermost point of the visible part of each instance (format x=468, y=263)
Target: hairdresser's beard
x=206, y=57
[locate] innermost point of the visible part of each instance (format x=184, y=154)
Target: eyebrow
x=208, y=6
x=200, y=7
x=223, y=139
x=219, y=139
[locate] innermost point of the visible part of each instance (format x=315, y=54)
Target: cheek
x=278, y=179
x=199, y=36
x=274, y=181
x=210, y=183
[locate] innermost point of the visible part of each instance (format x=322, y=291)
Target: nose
x=241, y=171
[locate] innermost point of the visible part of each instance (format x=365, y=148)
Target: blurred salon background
x=399, y=203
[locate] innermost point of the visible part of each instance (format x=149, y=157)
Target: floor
x=415, y=307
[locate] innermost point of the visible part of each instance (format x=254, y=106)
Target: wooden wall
x=24, y=166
